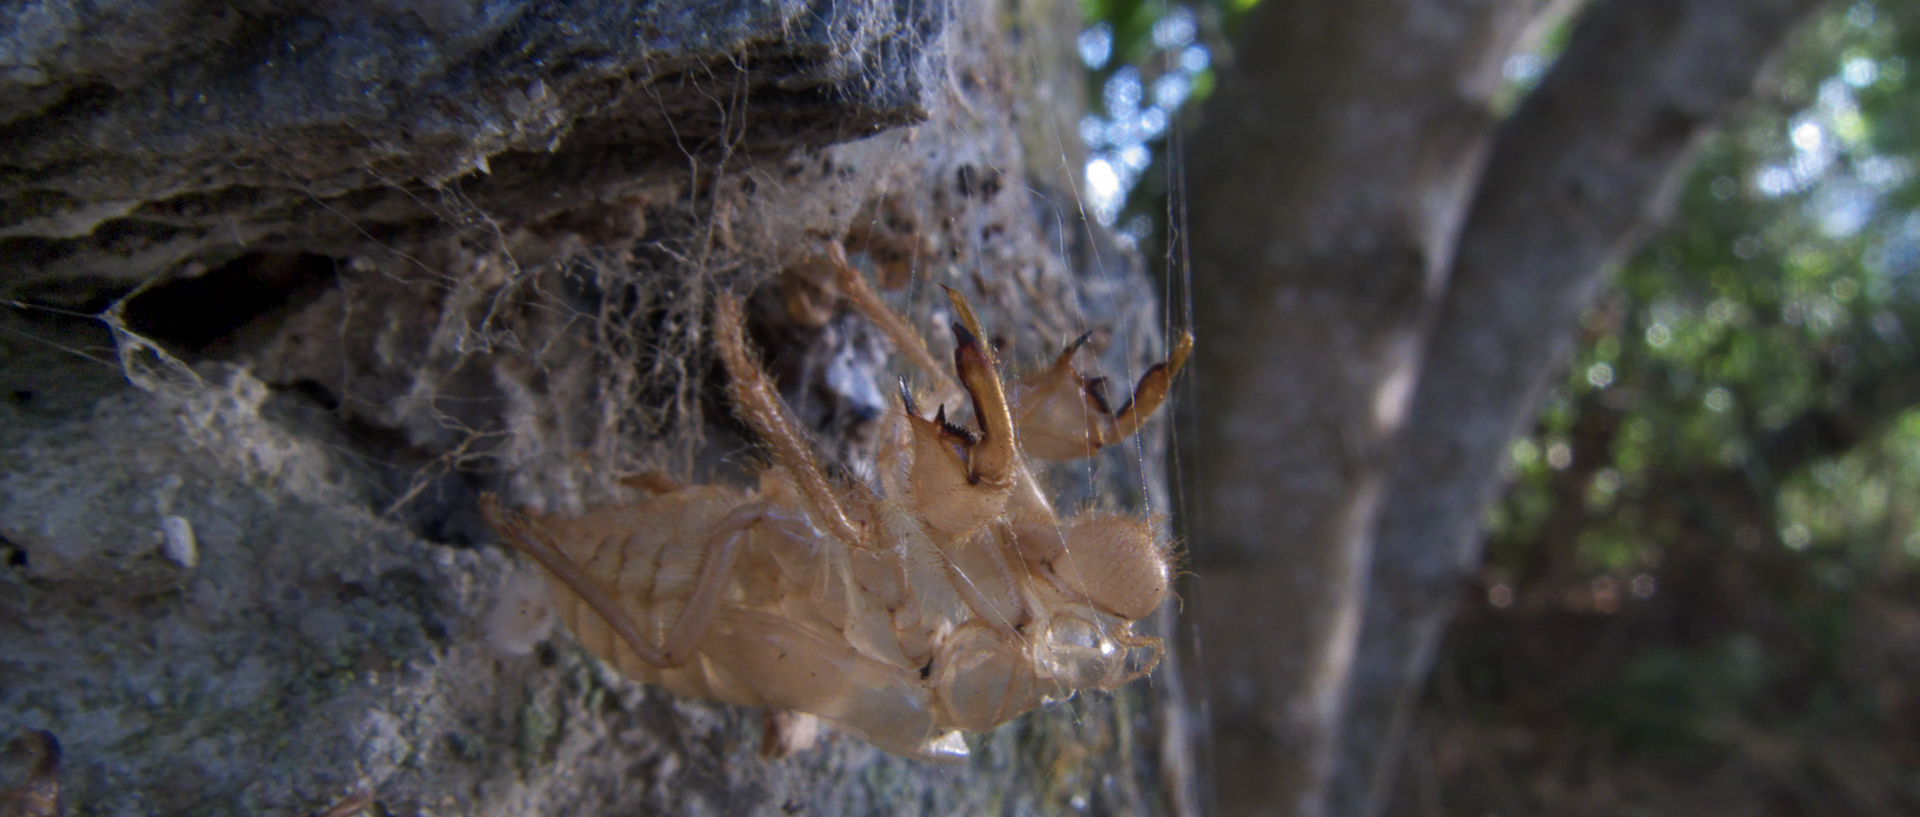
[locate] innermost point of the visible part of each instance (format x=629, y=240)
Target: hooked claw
x=1065, y=415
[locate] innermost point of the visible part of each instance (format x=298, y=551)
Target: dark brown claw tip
x=1096, y=388
x=1151, y=371
x=963, y=337
x=969, y=355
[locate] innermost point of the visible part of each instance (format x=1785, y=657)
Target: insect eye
x=1078, y=655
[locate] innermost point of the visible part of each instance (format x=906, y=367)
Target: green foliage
x=1740, y=434
x=1147, y=60
x=1667, y=698
x=1766, y=338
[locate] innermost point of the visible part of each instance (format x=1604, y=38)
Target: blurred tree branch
x=1396, y=283
x=1576, y=177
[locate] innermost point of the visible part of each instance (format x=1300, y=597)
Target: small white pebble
x=788, y=733
x=521, y=615
x=177, y=542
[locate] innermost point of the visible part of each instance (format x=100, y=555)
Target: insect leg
x=1149, y=394
x=960, y=480
x=1131, y=641
x=1064, y=415
x=716, y=565
x=897, y=329
x=759, y=404
x=710, y=585
x=518, y=532
x=990, y=461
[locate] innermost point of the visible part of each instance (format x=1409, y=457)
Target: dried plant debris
x=30, y=776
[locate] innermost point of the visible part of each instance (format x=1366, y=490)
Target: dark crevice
x=83, y=101
x=31, y=251
x=313, y=391
x=206, y=314
x=432, y=498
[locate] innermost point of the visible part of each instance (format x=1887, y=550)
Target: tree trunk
x=1399, y=279
x=1344, y=143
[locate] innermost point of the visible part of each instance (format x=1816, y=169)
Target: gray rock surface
x=285, y=292
x=139, y=134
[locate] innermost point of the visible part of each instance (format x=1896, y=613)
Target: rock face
x=286, y=291
x=140, y=135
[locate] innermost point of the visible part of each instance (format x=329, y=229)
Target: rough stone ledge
x=137, y=136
